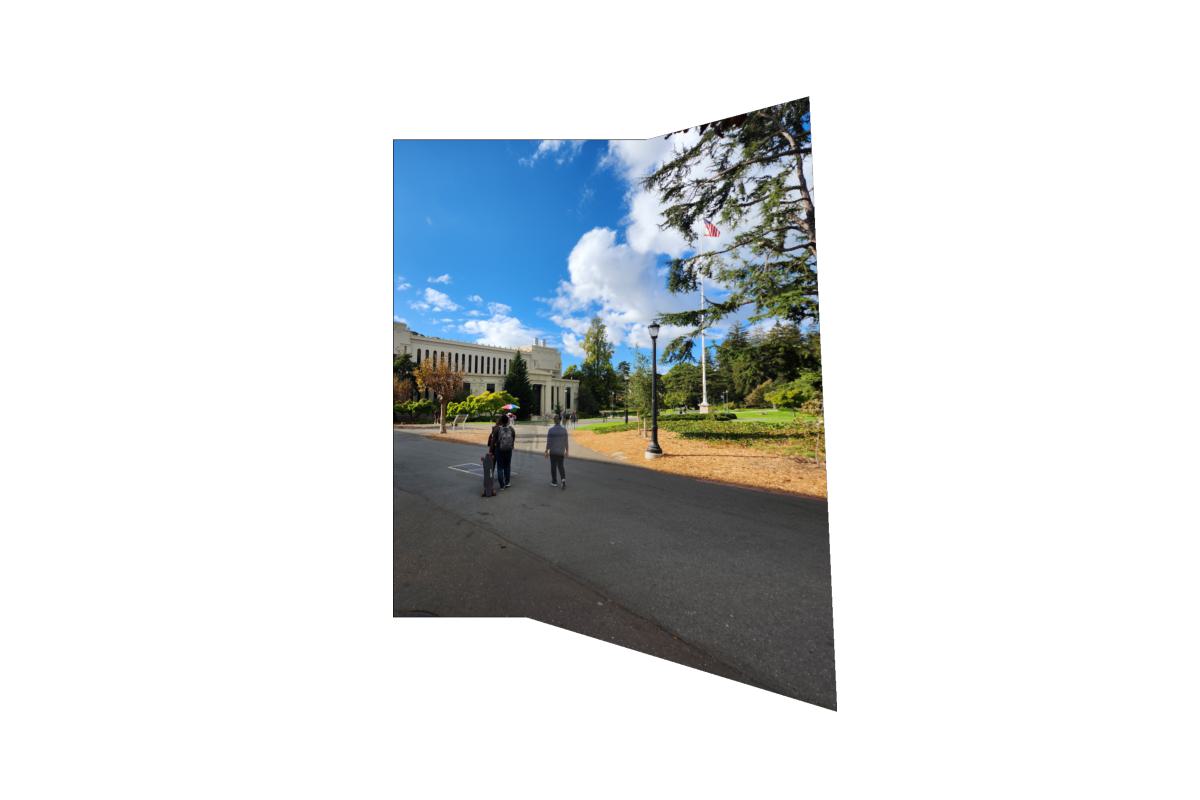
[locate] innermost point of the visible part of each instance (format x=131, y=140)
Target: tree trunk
x=442, y=414
x=806, y=203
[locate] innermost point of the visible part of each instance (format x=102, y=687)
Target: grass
x=802, y=437
x=776, y=416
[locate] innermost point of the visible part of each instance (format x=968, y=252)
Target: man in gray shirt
x=556, y=451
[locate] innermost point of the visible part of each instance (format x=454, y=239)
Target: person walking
x=556, y=450
x=500, y=445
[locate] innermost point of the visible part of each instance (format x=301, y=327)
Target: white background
x=196, y=266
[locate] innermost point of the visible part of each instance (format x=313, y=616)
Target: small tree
x=639, y=386
x=442, y=380
x=402, y=390
x=516, y=383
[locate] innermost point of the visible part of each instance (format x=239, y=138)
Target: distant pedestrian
x=556, y=450
x=500, y=445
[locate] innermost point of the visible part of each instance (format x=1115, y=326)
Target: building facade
x=484, y=366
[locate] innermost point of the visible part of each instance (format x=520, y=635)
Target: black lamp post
x=652, y=449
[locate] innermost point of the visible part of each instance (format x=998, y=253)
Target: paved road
x=717, y=577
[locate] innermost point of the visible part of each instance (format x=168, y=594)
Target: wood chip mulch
x=725, y=463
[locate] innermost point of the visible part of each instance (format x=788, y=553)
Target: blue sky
x=500, y=242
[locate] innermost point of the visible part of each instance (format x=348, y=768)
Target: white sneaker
x=554, y=483
x=564, y=483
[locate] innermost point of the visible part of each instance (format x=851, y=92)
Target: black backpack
x=505, y=437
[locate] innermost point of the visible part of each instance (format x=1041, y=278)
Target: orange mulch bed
x=464, y=436
x=725, y=463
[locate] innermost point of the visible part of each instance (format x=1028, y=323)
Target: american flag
x=710, y=229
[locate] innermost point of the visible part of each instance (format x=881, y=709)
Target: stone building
x=484, y=366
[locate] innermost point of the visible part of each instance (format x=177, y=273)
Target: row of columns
x=467, y=362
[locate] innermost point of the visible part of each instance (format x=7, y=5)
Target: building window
x=467, y=387
x=491, y=387
x=568, y=405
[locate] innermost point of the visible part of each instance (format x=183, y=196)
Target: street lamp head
x=653, y=328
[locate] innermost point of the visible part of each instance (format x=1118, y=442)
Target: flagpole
x=703, y=371
x=703, y=367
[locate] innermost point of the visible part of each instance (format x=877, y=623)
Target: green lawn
x=769, y=415
x=803, y=437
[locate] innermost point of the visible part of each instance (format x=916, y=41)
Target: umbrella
x=510, y=406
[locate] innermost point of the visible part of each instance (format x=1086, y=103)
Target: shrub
x=758, y=395
x=799, y=393
x=412, y=410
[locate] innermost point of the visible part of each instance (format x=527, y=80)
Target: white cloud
x=436, y=300
x=399, y=319
x=474, y=298
x=617, y=283
x=643, y=233
x=443, y=278
x=563, y=151
x=400, y=287
x=474, y=313
x=499, y=308
x=500, y=330
x=572, y=344
x=637, y=158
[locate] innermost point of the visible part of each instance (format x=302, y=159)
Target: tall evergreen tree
x=516, y=383
x=756, y=187
x=781, y=352
x=681, y=386
x=623, y=371
x=740, y=368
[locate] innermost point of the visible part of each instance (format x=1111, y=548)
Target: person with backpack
x=500, y=445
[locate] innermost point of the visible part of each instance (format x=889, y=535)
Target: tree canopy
x=747, y=173
x=598, y=381
x=440, y=379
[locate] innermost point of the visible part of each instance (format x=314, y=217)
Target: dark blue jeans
x=556, y=468
x=503, y=466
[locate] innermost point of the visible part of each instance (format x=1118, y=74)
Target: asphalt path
x=726, y=579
